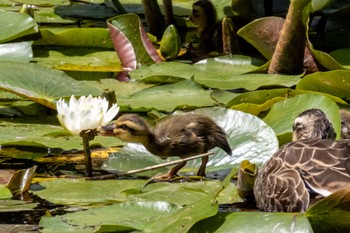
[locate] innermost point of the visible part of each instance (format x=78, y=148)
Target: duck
x=345, y=123
x=178, y=135
x=301, y=170
x=313, y=123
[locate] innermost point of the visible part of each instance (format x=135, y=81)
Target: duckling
x=204, y=15
x=300, y=169
x=181, y=135
x=313, y=123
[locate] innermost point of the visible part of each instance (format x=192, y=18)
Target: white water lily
x=85, y=113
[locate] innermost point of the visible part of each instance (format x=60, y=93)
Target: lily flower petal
x=84, y=113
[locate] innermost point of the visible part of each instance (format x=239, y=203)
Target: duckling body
x=180, y=135
x=299, y=169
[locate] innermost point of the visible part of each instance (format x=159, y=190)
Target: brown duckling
x=313, y=123
x=180, y=135
x=299, y=170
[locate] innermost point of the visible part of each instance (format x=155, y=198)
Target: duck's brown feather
x=285, y=181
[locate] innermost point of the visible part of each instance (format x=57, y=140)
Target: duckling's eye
x=123, y=127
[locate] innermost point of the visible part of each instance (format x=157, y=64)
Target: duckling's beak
x=106, y=130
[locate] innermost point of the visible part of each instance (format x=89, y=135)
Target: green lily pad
x=256, y=102
x=282, y=114
x=80, y=37
x=80, y=192
x=164, y=72
x=79, y=59
x=248, y=81
x=249, y=137
x=43, y=133
x=25, y=25
x=256, y=222
x=336, y=82
x=40, y=84
x=16, y=205
x=342, y=56
x=5, y=193
x=332, y=213
x=185, y=94
x=19, y=52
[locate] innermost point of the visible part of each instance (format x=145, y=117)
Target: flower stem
x=87, y=135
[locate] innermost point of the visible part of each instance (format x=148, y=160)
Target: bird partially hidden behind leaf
x=180, y=135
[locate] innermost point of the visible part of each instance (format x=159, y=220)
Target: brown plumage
x=313, y=123
x=298, y=170
x=180, y=135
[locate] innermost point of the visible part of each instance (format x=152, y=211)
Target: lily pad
x=79, y=192
x=79, y=59
x=19, y=52
x=185, y=94
x=25, y=25
x=40, y=84
x=249, y=137
x=44, y=133
x=331, y=213
x=282, y=114
x=342, y=56
x=80, y=37
x=256, y=222
x=336, y=82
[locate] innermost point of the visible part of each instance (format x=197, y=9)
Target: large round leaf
x=19, y=52
x=342, y=56
x=79, y=192
x=282, y=114
x=43, y=132
x=335, y=82
x=15, y=25
x=40, y=84
x=249, y=137
x=180, y=95
x=256, y=222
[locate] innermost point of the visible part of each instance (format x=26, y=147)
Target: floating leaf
x=40, y=134
x=332, y=213
x=25, y=25
x=336, y=82
x=342, y=56
x=5, y=193
x=180, y=95
x=79, y=37
x=40, y=84
x=19, y=52
x=256, y=222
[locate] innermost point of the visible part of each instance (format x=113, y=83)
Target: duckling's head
x=313, y=123
x=129, y=128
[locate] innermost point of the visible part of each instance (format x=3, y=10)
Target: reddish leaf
x=131, y=42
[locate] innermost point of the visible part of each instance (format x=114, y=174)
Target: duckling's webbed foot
x=171, y=173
